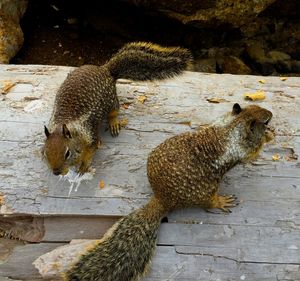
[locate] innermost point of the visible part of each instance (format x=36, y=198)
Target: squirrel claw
x=99, y=144
x=226, y=210
x=81, y=171
x=223, y=202
x=114, y=128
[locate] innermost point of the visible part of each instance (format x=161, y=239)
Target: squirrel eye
x=68, y=154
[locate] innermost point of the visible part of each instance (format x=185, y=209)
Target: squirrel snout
x=60, y=171
x=57, y=172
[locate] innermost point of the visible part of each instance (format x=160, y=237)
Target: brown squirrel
x=184, y=171
x=88, y=95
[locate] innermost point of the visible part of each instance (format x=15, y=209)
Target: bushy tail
x=125, y=251
x=147, y=61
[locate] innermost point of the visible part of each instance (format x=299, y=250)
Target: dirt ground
x=65, y=33
x=73, y=33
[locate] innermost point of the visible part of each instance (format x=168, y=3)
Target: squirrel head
x=59, y=150
x=251, y=125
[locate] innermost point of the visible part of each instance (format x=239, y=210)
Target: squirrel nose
x=56, y=172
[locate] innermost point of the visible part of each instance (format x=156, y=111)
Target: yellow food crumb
x=142, y=99
x=101, y=184
x=7, y=85
x=276, y=157
x=259, y=95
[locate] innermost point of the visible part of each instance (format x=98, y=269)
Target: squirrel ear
x=236, y=109
x=66, y=131
x=47, y=133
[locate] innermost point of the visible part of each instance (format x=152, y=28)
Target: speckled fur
x=165, y=61
x=125, y=254
x=184, y=171
x=84, y=99
x=88, y=95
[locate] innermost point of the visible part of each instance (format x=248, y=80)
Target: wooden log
x=169, y=107
x=35, y=205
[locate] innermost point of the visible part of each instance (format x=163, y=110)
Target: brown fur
x=88, y=96
x=126, y=252
x=184, y=171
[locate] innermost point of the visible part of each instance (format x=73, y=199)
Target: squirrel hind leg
x=222, y=202
x=114, y=123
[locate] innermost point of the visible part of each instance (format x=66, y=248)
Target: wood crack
x=234, y=260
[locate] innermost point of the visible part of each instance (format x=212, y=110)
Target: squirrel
x=88, y=95
x=183, y=171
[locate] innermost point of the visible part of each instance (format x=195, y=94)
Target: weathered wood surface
x=171, y=264
x=259, y=240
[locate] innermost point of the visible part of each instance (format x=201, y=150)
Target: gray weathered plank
x=19, y=264
x=240, y=243
x=61, y=229
x=169, y=263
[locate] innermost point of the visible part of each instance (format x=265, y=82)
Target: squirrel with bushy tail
x=183, y=171
x=88, y=96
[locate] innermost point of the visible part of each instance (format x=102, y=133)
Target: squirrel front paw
x=83, y=168
x=91, y=171
x=223, y=202
x=114, y=127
